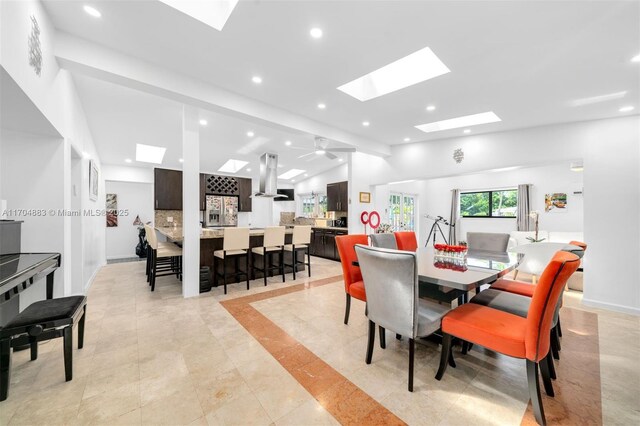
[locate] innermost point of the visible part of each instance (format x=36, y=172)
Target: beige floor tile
x=110, y=379
x=243, y=410
x=110, y=404
x=311, y=413
x=175, y=409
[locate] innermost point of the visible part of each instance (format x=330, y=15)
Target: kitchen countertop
x=175, y=233
x=331, y=228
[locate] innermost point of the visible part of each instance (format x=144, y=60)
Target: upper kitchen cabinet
x=167, y=188
x=338, y=196
x=244, y=192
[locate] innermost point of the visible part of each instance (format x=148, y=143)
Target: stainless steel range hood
x=269, y=177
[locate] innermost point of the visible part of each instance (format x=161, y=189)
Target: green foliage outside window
x=489, y=203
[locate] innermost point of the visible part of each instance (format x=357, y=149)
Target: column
x=190, y=202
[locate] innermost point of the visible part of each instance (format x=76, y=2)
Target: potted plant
x=535, y=216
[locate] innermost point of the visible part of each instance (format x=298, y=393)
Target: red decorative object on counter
x=449, y=248
x=450, y=264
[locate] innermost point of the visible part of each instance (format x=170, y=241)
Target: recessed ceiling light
x=232, y=166
x=431, y=108
x=316, y=33
x=213, y=13
x=466, y=131
x=85, y=154
x=626, y=109
x=203, y=122
x=365, y=123
x=127, y=160
x=291, y=174
x=412, y=69
x=320, y=151
x=340, y=159
x=149, y=153
x=256, y=79
x=407, y=139
x=306, y=175
x=92, y=11
x=293, y=180
x=280, y=166
x=181, y=160
x=248, y=170
x=250, y=134
x=321, y=106
x=287, y=143
x=455, y=123
x=635, y=58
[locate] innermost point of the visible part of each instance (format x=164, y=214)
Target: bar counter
x=211, y=240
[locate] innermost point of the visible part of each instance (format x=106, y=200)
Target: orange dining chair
x=406, y=240
x=513, y=335
x=353, y=285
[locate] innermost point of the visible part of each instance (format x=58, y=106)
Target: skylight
x=412, y=69
x=232, y=166
x=291, y=174
x=213, y=13
x=465, y=121
x=149, y=153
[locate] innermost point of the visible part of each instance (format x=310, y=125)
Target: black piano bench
x=43, y=320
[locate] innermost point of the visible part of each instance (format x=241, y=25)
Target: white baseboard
x=612, y=307
x=88, y=284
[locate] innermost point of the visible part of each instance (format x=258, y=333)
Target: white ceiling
x=120, y=117
x=524, y=60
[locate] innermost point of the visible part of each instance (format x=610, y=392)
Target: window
x=402, y=211
x=314, y=205
x=497, y=203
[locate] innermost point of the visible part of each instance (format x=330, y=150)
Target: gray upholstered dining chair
x=489, y=241
x=387, y=241
x=391, y=282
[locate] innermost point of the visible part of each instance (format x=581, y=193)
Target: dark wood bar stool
x=43, y=320
x=273, y=242
x=163, y=259
x=300, y=241
x=234, y=245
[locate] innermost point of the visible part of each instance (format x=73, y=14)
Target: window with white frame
x=402, y=211
x=314, y=205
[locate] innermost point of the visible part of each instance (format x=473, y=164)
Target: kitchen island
x=211, y=240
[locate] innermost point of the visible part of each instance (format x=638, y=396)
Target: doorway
x=402, y=211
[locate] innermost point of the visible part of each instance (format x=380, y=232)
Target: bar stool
x=300, y=241
x=162, y=260
x=234, y=245
x=273, y=242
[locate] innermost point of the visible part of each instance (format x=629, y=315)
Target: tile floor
x=281, y=355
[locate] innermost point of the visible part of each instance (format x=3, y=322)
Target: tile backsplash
x=161, y=217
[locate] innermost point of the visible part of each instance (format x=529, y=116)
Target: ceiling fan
x=321, y=148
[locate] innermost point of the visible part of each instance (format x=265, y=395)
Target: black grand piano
x=18, y=272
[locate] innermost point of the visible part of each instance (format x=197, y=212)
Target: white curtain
x=453, y=217
x=524, y=207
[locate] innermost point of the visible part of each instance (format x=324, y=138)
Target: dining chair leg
x=81, y=327
x=534, y=392
x=224, y=273
x=552, y=367
x=67, y=337
x=383, y=339
x=556, y=337
x=294, y=260
x=412, y=348
x=265, y=261
x=34, y=348
x=546, y=377
x=308, y=261
x=444, y=355
x=554, y=346
x=5, y=367
x=347, y=309
x=559, y=328
x=398, y=336
x=371, y=341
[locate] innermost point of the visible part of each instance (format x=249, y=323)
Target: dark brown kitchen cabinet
x=338, y=196
x=167, y=188
x=323, y=243
x=244, y=193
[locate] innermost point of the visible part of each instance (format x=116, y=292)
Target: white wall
x=435, y=198
x=137, y=199
x=54, y=94
x=611, y=214
x=32, y=179
x=112, y=172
